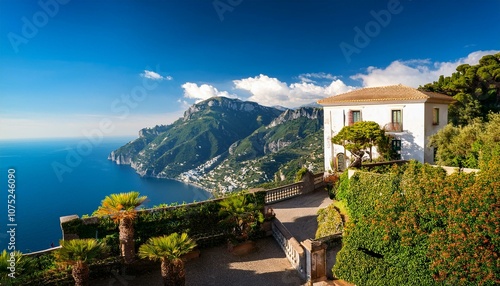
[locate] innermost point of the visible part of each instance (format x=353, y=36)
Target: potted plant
x=242, y=218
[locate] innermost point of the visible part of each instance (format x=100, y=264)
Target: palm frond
x=120, y=205
x=79, y=250
x=169, y=247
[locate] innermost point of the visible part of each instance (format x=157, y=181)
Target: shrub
x=300, y=174
x=329, y=222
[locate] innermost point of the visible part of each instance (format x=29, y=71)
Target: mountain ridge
x=221, y=132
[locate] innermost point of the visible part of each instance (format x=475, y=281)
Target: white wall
x=431, y=129
x=413, y=138
x=328, y=148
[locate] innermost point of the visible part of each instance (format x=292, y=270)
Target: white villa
x=408, y=114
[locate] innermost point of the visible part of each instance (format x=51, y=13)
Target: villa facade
x=409, y=115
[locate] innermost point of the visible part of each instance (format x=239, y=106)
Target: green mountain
x=226, y=144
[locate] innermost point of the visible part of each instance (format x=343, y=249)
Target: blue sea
x=55, y=178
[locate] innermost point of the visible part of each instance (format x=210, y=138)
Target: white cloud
x=415, y=72
x=203, y=92
x=155, y=76
x=271, y=91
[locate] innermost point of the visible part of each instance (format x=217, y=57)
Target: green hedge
x=417, y=226
x=371, y=239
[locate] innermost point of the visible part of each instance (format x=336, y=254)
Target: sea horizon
x=57, y=177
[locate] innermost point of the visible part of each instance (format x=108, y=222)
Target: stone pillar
x=308, y=182
x=315, y=261
x=65, y=234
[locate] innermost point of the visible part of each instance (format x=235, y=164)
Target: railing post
x=315, y=252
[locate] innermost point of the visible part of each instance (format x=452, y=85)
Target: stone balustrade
x=292, y=248
x=283, y=193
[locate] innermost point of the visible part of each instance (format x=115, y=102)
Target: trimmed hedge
x=417, y=226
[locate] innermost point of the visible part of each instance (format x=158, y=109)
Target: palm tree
x=122, y=209
x=241, y=215
x=169, y=249
x=78, y=253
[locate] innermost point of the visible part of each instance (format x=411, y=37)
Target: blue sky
x=73, y=67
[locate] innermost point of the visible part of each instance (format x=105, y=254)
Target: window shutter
x=350, y=118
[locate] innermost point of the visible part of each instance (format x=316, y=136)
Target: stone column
x=308, y=181
x=315, y=261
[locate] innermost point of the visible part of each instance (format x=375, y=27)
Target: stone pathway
x=216, y=266
x=299, y=214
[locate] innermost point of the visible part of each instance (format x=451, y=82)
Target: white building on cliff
x=408, y=114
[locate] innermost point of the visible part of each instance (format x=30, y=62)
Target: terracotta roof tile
x=386, y=93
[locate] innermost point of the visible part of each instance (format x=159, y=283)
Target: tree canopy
x=476, y=89
x=469, y=146
x=363, y=135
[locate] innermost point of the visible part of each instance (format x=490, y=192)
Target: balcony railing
x=393, y=127
x=292, y=248
x=283, y=193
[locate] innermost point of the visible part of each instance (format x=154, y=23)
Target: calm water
x=85, y=178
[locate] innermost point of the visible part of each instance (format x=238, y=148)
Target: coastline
x=194, y=185
x=190, y=183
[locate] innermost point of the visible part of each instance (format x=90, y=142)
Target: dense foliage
x=12, y=266
x=468, y=146
x=476, y=89
x=79, y=253
x=42, y=269
x=417, y=226
x=300, y=174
